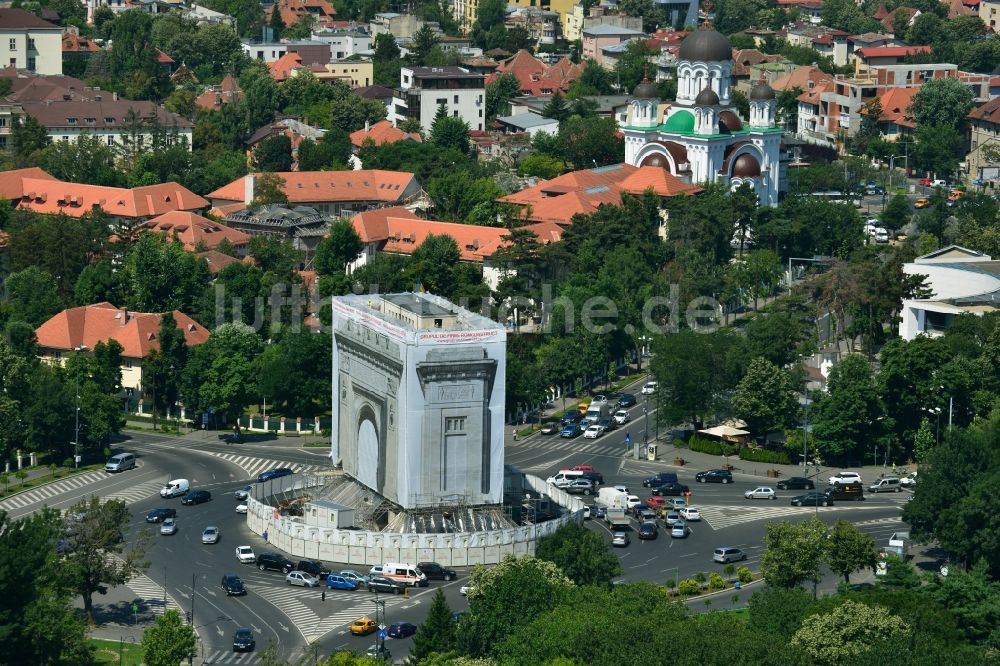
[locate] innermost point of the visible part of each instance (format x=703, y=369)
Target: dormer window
x=109, y=120
x=91, y=121
x=71, y=121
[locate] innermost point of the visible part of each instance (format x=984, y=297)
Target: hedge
x=764, y=456
x=711, y=447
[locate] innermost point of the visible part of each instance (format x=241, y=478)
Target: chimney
x=115, y=96
x=366, y=126
x=124, y=317
x=248, y=183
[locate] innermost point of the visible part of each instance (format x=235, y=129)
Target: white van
x=120, y=462
x=612, y=498
x=564, y=477
x=888, y=484
x=175, y=488
x=407, y=574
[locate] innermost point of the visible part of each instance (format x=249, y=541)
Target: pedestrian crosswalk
x=562, y=447
x=137, y=493
x=230, y=657
x=51, y=490
x=150, y=595
x=254, y=466
x=314, y=618
x=721, y=517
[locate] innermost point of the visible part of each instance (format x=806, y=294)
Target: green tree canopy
x=765, y=398
x=581, y=554
x=848, y=632
x=794, y=552
x=170, y=640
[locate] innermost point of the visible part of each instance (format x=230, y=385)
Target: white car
x=679, y=530
x=210, y=535
x=908, y=480
x=841, y=478
x=598, y=400
x=302, y=579
x=622, y=488
x=465, y=589
x=762, y=492
x=241, y=508
x=649, y=388
x=169, y=526
x=621, y=416
x=244, y=492
x=245, y=555
x=672, y=518
x=593, y=432
x=690, y=514
x=586, y=512
x=632, y=501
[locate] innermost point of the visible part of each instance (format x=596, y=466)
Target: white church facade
x=700, y=137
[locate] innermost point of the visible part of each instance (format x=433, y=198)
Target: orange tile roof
x=895, y=102
x=889, y=19
x=214, y=97
x=574, y=180
x=283, y=67
x=12, y=182
x=76, y=44
x=226, y=210
x=800, y=78
x=217, y=261
x=194, y=230
x=47, y=195
x=547, y=232
x=812, y=96
x=292, y=10
x=313, y=186
x=662, y=182
x=892, y=51
x=136, y=332
x=372, y=226
x=475, y=243
x=536, y=77
x=382, y=132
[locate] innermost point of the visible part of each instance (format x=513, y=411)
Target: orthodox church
x=700, y=137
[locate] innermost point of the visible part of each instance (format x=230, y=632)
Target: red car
x=655, y=503
x=926, y=182
x=583, y=468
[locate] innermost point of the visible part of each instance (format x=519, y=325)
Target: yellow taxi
x=363, y=626
x=922, y=202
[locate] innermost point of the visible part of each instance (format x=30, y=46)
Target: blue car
x=570, y=432
x=338, y=582
x=274, y=474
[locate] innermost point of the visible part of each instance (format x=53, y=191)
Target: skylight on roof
x=608, y=168
x=597, y=189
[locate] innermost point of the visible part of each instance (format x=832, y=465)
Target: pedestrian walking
x=265, y=536
x=322, y=596
x=515, y=434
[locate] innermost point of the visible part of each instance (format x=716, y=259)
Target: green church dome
x=681, y=121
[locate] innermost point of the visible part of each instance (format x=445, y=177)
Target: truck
x=597, y=411
x=617, y=520
x=612, y=498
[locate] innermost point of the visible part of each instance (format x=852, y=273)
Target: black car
x=571, y=418
x=274, y=562
x=659, y=480
x=812, y=499
x=714, y=476
x=383, y=584
x=627, y=400
x=607, y=423
x=670, y=489
x=401, y=630
x=648, y=531
x=159, y=515
x=550, y=428
x=596, y=477
x=274, y=474
x=243, y=640
x=313, y=568
x=796, y=483
x=232, y=585
x=196, y=497
x=435, y=571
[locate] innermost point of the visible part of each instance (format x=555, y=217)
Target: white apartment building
x=30, y=43
x=423, y=89
x=344, y=42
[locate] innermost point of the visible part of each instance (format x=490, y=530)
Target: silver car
x=620, y=539
x=244, y=492
x=302, y=579
x=762, y=492
x=210, y=535
x=169, y=526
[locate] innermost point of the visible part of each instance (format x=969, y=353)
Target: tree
x=287, y=375
x=332, y=152
x=28, y=136
x=556, y=108
x=591, y=142
x=170, y=640
x=506, y=597
x=938, y=149
x=269, y=188
x=165, y=366
x=434, y=263
x=424, y=41
x=339, y=249
x=133, y=56
x=581, y=554
x=457, y=194
x=778, y=611
x=849, y=550
x=499, y=92
x=943, y=102
x=273, y=154
x=159, y=275
x=86, y=160
x=923, y=441
x=33, y=296
x=386, y=59
x=794, y=552
x=96, y=556
x=276, y=23
x=448, y=132
x=221, y=373
x=350, y=112
x=848, y=632
x=765, y=398
x=845, y=418
x=437, y=632
x=897, y=212
x=633, y=64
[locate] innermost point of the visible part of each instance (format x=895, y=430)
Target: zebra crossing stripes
x=721, y=517
x=150, y=594
x=51, y=490
x=229, y=657
x=879, y=521
x=137, y=493
x=254, y=466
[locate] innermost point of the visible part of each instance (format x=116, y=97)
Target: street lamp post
x=76, y=429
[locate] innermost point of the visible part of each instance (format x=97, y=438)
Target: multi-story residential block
x=30, y=43
x=309, y=50
x=983, y=160
x=465, y=13
x=321, y=11
x=598, y=37
x=206, y=15
x=989, y=12
x=400, y=26
x=828, y=42
x=422, y=90
x=355, y=73
x=344, y=42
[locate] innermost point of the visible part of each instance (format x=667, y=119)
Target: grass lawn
x=107, y=652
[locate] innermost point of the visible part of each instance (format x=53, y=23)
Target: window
x=90, y=121
x=456, y=99
x=455, y=424
x=31, y=63
x=111, y=140
x=109, y=121
x=71, y=121
x=13, y=44
x=441, y=100
x=3, y=122
x=455, y=113
x=31, y=44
